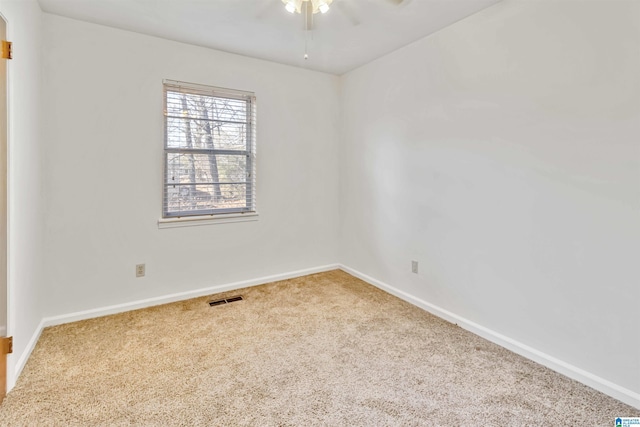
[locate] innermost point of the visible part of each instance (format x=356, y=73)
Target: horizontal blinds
x=210, y=147
x=194, y=88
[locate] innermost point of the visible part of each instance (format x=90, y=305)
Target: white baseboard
x=149, y=302
x=607, y=387
x=134, y=305
x=22, y=360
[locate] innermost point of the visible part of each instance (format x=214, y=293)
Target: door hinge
x=7, y=345
x=6, y=49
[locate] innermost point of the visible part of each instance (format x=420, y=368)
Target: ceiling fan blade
x=347, y=12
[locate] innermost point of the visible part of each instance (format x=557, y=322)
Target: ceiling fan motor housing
x=316, y=5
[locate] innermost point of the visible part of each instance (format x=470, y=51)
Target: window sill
x=191, y=221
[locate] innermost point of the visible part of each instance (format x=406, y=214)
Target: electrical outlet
x=139, y=270
x=414, y=267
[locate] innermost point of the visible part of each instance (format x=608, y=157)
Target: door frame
x=6, y=343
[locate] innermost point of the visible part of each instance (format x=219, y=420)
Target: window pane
x=183, y=168
x=206, y=107
x=205, y=197
x=206, y=135
x=209, y=142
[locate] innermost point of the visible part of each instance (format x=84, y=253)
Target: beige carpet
x=325, y=349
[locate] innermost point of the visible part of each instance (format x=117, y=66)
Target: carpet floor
x=325, y=349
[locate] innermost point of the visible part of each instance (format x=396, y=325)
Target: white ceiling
x=351, y=34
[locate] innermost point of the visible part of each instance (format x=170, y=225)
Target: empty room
x=320, y=212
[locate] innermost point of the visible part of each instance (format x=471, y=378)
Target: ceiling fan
x=308, y=8
x=321, y=6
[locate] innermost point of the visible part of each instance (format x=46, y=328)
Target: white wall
x=503, y=153
x=103, y=97
x=26, y=215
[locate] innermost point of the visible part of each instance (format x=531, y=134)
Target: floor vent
x=226, y=300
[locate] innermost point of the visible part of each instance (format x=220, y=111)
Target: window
x=209, y=150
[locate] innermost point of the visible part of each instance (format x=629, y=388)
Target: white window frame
x=220, y=215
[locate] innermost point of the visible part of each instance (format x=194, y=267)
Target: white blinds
x=209, y=150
